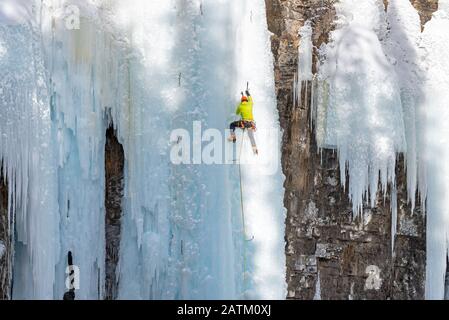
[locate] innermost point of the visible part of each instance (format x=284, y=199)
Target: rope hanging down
x=241, y=189
x=245, y=239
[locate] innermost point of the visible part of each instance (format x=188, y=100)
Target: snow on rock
x=402, y=47
x=443, y=6
x=359, y=101
x=380, y=91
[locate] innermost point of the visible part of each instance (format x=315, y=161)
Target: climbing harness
x=246, y=124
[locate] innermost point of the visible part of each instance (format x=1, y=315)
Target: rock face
x=425, y=9
x=5, y=242
x=330, y=255
x=114, y=166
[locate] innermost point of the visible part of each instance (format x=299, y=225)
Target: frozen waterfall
x=70, y=70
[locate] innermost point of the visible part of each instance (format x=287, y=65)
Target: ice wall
x=435, y=41
x=146, y=67
x=402, y=48
x=27, y=149
x=262, y=174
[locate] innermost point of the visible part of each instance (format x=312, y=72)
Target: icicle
x=435, y=40
x=317, y=295
x=312, y=103
x=304, y=68
x=294, y=91
x=305, y=53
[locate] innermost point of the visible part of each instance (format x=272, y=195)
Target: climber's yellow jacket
x=245, y=109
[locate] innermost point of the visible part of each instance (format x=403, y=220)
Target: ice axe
x=247, y=88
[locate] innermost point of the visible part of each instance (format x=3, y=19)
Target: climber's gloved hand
x=247, y=93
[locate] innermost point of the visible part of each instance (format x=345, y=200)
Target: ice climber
x=245, y=111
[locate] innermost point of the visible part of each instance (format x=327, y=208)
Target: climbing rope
x=241, y=189
x=241, y=185
x=242, y=207
x=242, y=212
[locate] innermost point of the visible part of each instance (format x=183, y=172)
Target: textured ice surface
x=29, y=156
x=146, y=68
x=359, y=98
x=305, y=59
x=435, y=41
x=262, y=176
x=402, y=48
x=420, y=60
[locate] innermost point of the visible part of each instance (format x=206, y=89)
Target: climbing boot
x=232, y=138
x=255, y=150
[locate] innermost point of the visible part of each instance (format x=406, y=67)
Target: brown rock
x=5, y=240
x=114, y=166
x=425, y=9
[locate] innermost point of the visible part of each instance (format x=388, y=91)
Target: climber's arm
x=237, y=110
x=250, y=100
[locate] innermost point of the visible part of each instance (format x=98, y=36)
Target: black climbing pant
x=243, y=124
